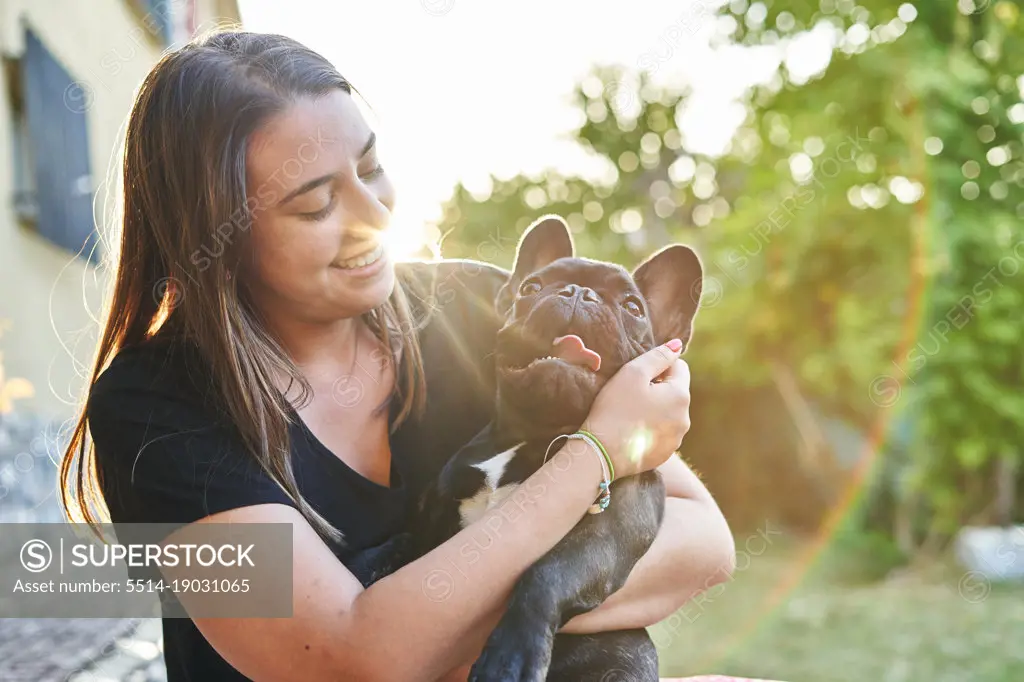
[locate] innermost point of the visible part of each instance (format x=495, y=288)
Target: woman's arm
x=425, y=619
x=692, y=552
x=435, y=613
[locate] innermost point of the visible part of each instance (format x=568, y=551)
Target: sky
x=461, y=89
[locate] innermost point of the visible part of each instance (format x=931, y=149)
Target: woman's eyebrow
x=323, y=179
x=370, y=141
x=306, y=187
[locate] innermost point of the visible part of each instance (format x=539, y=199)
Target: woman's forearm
x=692, y=552
x=452, y=597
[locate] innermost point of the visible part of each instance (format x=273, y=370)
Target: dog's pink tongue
x=572, y=349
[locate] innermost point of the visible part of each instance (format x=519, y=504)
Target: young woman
x=264, y=360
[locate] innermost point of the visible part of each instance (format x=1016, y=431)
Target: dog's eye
x=632, y=304
x=530, y=286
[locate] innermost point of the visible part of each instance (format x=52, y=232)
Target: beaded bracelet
x=604, y=497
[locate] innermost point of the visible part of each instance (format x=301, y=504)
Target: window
x=52, y=181
x=160, y=12
x=166, y=22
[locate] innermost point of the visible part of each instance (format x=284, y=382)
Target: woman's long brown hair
x=184, y=218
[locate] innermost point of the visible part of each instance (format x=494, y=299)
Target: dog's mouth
x=570, y=350
x=548, y=384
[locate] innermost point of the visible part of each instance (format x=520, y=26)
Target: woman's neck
x=315, y=343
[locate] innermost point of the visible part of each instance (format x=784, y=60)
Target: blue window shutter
x=60, y=149
x=160, y=10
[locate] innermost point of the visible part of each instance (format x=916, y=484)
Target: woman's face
x=320, y=202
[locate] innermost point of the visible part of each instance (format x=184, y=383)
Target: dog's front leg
x=577, y=575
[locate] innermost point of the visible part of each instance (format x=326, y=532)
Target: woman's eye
x=326, y=193
x=379, y=170
x=633, y=306
x=530, y=286
x=319, y=215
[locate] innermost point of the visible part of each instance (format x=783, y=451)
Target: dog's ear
x=671, y=280
x=546, y=240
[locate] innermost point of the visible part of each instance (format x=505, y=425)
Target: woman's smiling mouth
x=368, y=258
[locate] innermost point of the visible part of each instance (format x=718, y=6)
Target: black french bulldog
x=571, y=323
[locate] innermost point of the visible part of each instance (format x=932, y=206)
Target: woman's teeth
x=364, y=260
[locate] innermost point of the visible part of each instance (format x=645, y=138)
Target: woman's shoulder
x=164, y=452
x=159, y=364
x=159, y=379
x=461, y=280
x=456, y=297
x=457, y=343
x=453, y=267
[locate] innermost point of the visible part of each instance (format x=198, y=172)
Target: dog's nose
x=574, y=291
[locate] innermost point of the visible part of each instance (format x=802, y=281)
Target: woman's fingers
x=673, y=387
x=673, y=391
x=644, y=410
x=655, y=361
x=678, y=374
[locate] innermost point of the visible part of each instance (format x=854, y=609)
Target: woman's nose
x=373, y=214
x=384, y=192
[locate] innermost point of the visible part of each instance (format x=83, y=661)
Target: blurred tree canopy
x=861, y=236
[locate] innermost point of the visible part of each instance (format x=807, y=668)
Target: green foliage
x=969, y=365
x=851, y=206
x=856, y=555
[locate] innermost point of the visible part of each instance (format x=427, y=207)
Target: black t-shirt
x=165, y=454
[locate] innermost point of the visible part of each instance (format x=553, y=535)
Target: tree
x=844, y=197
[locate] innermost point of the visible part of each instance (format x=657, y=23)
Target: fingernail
x=674, y=345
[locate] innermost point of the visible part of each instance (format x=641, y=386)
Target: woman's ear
x=546, y=240
x=671, y=280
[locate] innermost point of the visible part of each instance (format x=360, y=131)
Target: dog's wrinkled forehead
x=667, y=284
x=607, y=279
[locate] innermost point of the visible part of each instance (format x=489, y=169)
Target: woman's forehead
x=313, y=137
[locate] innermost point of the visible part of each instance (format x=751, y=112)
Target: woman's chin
x=369, y=287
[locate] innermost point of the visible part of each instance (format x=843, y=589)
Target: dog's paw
x=513, y=655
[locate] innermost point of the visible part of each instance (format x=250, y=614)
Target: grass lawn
x=913, y=628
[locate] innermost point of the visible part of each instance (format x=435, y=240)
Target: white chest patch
x=473, y=508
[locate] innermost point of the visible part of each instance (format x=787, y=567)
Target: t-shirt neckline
x=395, y=475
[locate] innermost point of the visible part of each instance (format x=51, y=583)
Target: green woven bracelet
x=604, y=453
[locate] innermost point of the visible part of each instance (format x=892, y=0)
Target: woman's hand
x=643, y=412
